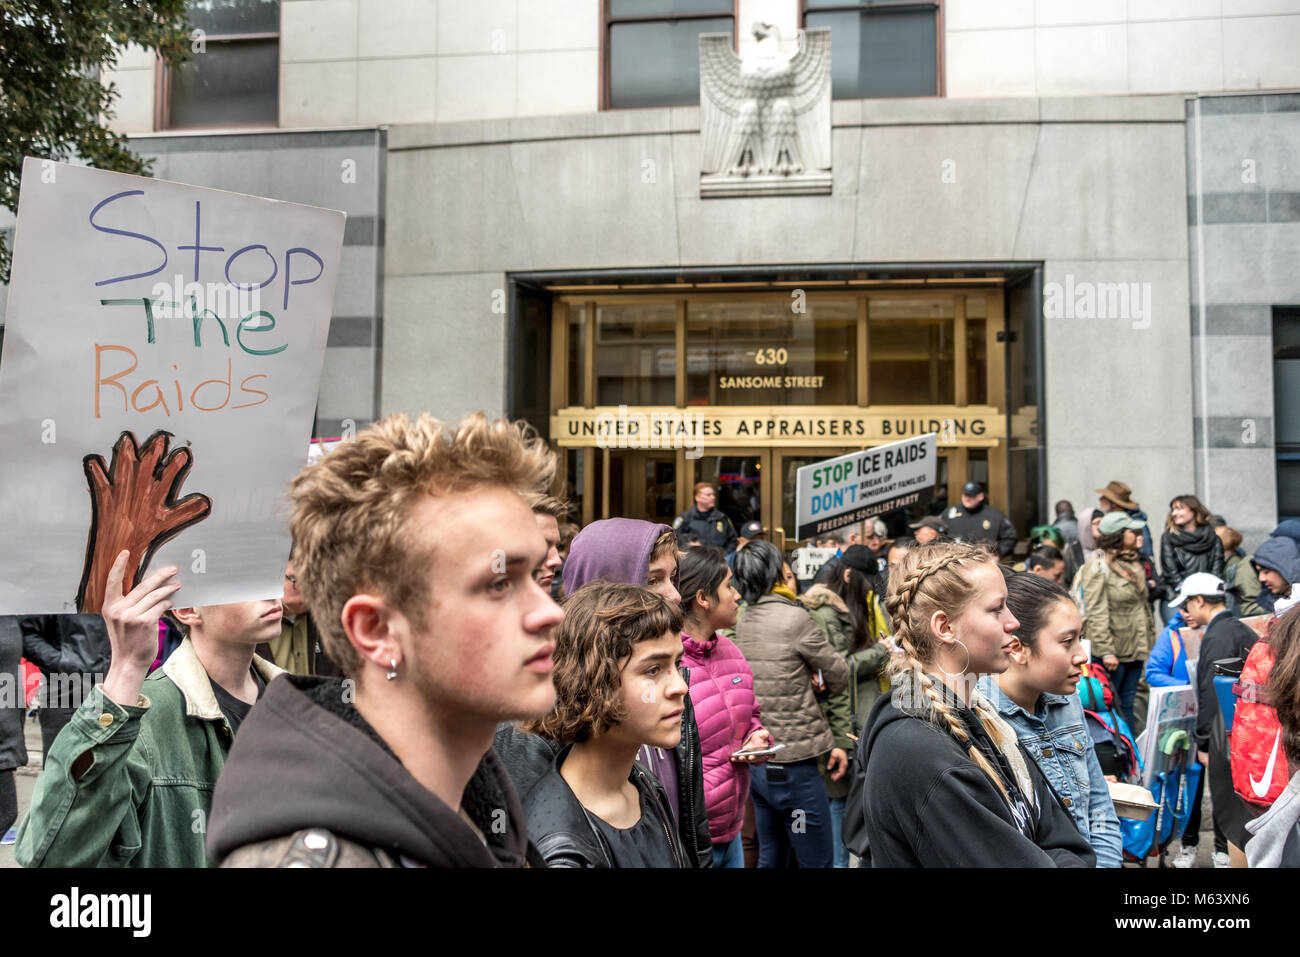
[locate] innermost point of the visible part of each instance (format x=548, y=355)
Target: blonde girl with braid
x=946, y=781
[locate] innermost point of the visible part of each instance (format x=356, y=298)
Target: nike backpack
x=1259, y=769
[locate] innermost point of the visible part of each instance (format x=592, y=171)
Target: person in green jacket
x=1246, y=587
x=845, y=609
x=128, y=781
x=1116, y=607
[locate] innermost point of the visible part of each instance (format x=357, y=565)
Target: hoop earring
x=392, y=664
x=964, y=667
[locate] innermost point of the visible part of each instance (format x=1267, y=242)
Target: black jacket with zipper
x=563, y=831
x=927, y=804
x=66, y=644
x=713, y=528
x=983, y=523
x=1182, y=553
x=527, y=757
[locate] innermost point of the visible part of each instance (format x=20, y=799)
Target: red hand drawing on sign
x=134, y=507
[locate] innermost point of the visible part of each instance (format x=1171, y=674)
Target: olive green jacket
x=846, y=711
x=1243, y=581
x=1117, y=617
x=144, y=799
x=869, y=664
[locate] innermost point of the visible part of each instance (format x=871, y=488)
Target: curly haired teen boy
x=417, y=551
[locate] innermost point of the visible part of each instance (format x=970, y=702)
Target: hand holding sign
x=134, y=508
x=132, y=623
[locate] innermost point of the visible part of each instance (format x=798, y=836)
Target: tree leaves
x=52, y=101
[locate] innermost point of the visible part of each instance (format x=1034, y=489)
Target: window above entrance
x=771, y=352
x=636, y=355
x=802, y=348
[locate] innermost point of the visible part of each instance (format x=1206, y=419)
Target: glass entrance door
x=787, y=466
x=740, y=478
x=640, y=485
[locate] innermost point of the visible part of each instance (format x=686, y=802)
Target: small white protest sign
x=162, y=353
x=808, y=561
x=849, y=488
x=1169, y=706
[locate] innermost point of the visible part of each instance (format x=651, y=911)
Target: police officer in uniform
x=714, y=528
x=975, y=521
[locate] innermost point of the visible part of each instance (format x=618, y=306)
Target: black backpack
x=853, y=828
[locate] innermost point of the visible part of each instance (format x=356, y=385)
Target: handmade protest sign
x=1169, y=708
x=162, y=352
x=808, y=561
x=834, y=492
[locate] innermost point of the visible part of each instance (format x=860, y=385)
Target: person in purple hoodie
x=639, y=553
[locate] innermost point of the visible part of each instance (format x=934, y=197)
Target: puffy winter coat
x=1182, y=553
x=786, y=649
x=726, y=712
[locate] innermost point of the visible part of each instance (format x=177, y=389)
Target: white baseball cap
x=1199, y=583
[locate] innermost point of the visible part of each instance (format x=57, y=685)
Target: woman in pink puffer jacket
x=722, y=691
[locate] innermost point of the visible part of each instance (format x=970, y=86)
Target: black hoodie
x=306, y=758
x=928, y=804
x=1182, y=553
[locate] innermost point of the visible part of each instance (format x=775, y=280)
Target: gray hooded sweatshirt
x=1277, y=831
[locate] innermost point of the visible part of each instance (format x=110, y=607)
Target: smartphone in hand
x=757, y=752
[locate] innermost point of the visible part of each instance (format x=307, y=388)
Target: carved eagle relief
x=767, y=114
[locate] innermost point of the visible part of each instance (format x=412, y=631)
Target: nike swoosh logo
x=1267, y=779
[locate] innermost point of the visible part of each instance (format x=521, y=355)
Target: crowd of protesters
x=457, y=675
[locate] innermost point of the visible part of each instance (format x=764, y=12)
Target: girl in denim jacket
x=1036, y=696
